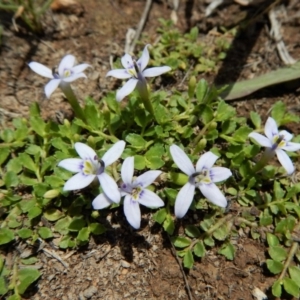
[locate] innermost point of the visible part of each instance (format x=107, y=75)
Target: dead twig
x=130, y=48
x=181, y=269
x=276, y=35
x=56, y=256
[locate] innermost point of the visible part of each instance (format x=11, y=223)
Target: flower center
x=93, y=167
x=67, y=73
x=278, y=141
x=201, y=177
x=133, y=70
x=136, y=193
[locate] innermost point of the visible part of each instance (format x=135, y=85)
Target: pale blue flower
x=135, y=71
x=277, y=142
x=203, y=177
x=66, y=73
x=89, y=166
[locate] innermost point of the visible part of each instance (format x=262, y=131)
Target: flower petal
x=213, y=194
x=206, y=161
x=85, y=151
x=109, y=187
x=144, y=59
x=51, y=86
x=147, y=178
x=127, y=170
x=182, y=160
x=156, y=71
x=261, y=139
x=71, y=164
x=218, y=174
x=132, y=212
x=184, y=199
x=119, y=73
x=74, y=77
x=291, y=146
x=67, y=62
x=78, y=181
x=127, y=61
x=287, y=136
x=271, y=128
x=113, y=153
x=285, y=161
x=150, y=199
x=40, y=69
x=80, y=68
x=101, y=201
x=126, y=89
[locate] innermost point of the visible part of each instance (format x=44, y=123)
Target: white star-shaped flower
x=277, y=142
x=135, y=71
x=202, y=177
x=66, y=73
x=89, y=166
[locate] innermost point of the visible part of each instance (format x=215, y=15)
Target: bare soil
x=123, y=263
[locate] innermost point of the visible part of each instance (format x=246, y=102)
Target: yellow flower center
x=135, y=193
x=67, y=73
x=89, y=168
x=279, y=141
x=202, y=177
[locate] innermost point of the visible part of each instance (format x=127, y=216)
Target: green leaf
x=6, y=236
x=181, y=242
x=276, y=289
x=291, y=287
x=278, y=191
x=241, y=135
x=221, y=233
x=192, y=231
x=83, y=234
x=206, y=114
x=62, y=225
x=228, y=251
x=53, y=214
x=136, y=141
x=30, y=260
x=3, y=286
x=201, y=90
x=77, y=224
x=295, y=274
x=160, y=215
x=27, y=162
x=26, y=277
x=169, y=225
x=199, y=249
x=255, y=118
x=45, y=233
x=209, y=241
x=278, y=111
x=224, y=111
x=188, y=259
x=11, y=179
x=4, y=153
x=14, y=297
x=139, y=162
x=272, y=239
x=154, y=162
x=25, y=233
x=97, y=228
x=277, y=253
x=274, y=267
x=38, y=125
x=34, y=212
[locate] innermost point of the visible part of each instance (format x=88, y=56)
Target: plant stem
x=144, y=95
x=67, y=90
x=292, y=252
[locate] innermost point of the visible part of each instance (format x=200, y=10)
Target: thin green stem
x=144, y=96
x=67, y=90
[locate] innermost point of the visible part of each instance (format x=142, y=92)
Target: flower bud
x=201, y=145
x=178, y=178
x=212, y=125
x=51, y=194
x=191, y=86
x=67, y=123
x=95, y=214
